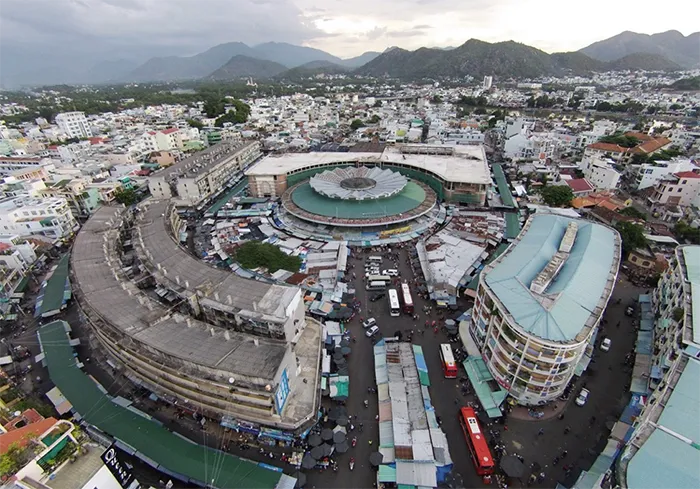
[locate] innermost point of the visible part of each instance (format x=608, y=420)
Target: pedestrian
x=561, y=416
x=505, y=427
x=564, y=454
x=566, y=430
x=541, y=432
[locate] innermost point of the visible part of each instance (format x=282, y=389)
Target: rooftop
x=124, y=306
x=580, y=185
x=218, y=286
x=670, y=456
x=575, y=295
x=463, y=164
x=203, y=161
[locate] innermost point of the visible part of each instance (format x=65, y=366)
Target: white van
x=392, y=272
x=374, y=259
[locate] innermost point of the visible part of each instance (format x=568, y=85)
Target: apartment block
x=74, y=124
x=27, y=216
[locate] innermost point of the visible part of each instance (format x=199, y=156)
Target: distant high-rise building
x=488, y=82
x=74, y=124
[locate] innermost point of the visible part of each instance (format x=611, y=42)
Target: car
x=369, y=322
x=372, y=331
x=582, y=397
x=605, y=345
x=391, y=272
x=376, y=297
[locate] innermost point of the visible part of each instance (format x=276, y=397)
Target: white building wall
x=649, y=175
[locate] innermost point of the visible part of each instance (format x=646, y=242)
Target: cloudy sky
x=342, y=27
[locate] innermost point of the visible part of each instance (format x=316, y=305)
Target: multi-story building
x=82, y=198
x=26, y=216
x=649, y=174
x=200, y=176
x=538, y=306
x=680, y=189
x=74, y=124
x=10, y=164
x=17, y=253
x=235, y=349
x=600, y=172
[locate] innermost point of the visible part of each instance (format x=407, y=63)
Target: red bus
x=407, y=299
x=449, y=366
x=479, y=449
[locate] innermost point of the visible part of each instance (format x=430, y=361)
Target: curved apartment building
x=204, y=338
x=539, y=304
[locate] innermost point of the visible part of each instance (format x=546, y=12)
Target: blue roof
x=575, y=291
x=664, y=460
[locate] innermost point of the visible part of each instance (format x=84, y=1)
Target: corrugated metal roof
x=651, y=467
x=389, y=455
x=578, y=287
x=422, y=446
x=416, y=474
x=385, y=412
x=386, y=434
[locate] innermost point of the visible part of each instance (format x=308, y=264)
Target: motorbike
x=354, y=441
x=352, y=463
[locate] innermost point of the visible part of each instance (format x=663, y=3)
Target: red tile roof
x=170, y=131
x=580, y=185
x=639, y=135
x=22, y=435
x=613, y=148
x=651, y=146
x=687, y=174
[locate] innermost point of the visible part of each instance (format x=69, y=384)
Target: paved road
x=606, y=379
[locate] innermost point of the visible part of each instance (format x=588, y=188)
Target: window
x=679, y=189
x=645, y=263
x=684, y=182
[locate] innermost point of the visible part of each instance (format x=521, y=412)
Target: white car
x=605, y=345
x=369, y=322
x=582, y=397
x=372, y=331
x=391, y=272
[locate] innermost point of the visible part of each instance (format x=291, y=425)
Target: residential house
x=600, y=172
x=682, y=189
x=649, y=174
x=581, y=187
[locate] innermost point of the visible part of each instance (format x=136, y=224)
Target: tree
x=255, y=254
x=195, y=123
x=632, y=212
x=214, y=108
x=685, y=232
x=237, y=114
x=557, y=195
x=377, y=103
x=356, y=124
x=632, y=236
x=375, y=118
x=436, y=99
x=12, y=460
x=126, y=196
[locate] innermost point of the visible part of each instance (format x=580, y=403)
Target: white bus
x=376, y=286
x=394, y=306
x=379, y=278
x=374, y=259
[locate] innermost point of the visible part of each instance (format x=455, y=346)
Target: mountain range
x=665, y=51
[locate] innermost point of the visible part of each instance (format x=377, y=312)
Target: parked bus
x=374, y=259
x=449, y=366
x=407, y=299
x=478, y=447
x=394, y=306
x=377, y=285
x=379, y=278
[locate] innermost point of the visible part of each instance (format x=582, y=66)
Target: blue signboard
x=282, y=392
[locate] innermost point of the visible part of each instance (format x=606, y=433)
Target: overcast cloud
x=342, y=27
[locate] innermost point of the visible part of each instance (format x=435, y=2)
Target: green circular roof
x=408, y=199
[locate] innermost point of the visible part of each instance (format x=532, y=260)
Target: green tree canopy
x=686, y=232
x=255, y=254
x=632, y=236
x=195, y=123
x=557, y=195
x=237, y=114
x=632, y=212
x=621, y=140
x=356, y=124
x=12, y=460
x=126, y=196
x=375, y=118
